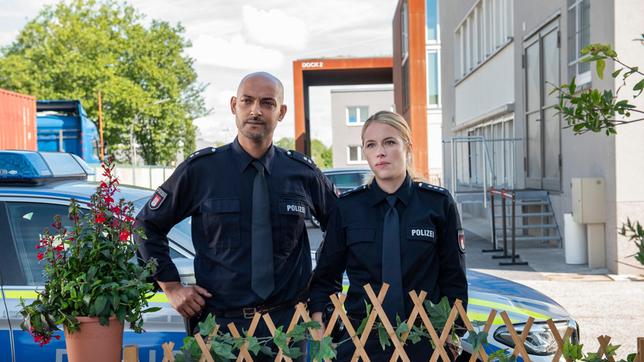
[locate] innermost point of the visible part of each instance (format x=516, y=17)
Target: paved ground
x=601, y=303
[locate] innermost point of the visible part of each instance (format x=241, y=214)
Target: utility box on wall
x=588, y=200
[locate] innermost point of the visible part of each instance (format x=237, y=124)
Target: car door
x=22, y=220
x=22, y=223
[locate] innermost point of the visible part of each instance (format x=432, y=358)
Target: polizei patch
x=157, y=199
x=292, y=207
x=427, y=233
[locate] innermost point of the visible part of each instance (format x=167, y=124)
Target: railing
x=418, y=317
x=478, y=163
x=504, y=195
x=143, y=176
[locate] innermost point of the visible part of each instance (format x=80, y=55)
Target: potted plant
x=93, y=283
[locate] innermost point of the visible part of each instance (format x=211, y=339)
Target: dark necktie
x=262, y=271
x=391, y=269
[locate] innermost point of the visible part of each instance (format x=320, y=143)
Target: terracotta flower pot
x=95, y=342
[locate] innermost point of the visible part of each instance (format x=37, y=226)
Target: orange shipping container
x=17, y=121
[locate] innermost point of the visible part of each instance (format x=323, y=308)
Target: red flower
x=116, y=210
x=40, y=256
x=99, y=219
x=103, y=185
x=109, y=200
x=124, y=235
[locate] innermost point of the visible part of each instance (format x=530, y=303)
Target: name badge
x=422, y=233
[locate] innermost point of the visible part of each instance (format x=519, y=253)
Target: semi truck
x=47, y=125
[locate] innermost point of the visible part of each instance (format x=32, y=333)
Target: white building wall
x=629, y=145
x=486, y=88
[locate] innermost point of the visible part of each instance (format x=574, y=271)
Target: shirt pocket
x=292, y=210
x=221, y=218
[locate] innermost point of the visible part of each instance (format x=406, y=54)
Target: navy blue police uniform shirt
x=214, y=186
x=432, y=256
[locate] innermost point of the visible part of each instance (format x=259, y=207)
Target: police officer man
x=248, y=201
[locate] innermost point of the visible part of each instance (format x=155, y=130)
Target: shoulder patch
x=353, y=190
x=157, y=199
x=300, y=157
x=430, y=187
x=203, y=152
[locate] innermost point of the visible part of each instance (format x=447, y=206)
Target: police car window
x=184, y=228
x=26, y=223
x=347, y=180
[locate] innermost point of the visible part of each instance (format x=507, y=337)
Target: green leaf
x=222, y=350
x=151, y=310
x=100, y=305
x=383, y=337
x=207, y=325
x=438, y=313
x=476, y=339
x=402, y=329
x=253, y=345
x=266, y=350
x=616, y=73
x=611, y=350
x=600, y=66
x=639, y=86
x=327, y=350
x=362, y=325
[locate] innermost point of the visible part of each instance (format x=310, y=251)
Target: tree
x=149, y=87
x=594, y=110
x=321, y=155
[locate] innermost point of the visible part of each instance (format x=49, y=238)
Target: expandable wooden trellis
x=418, y=315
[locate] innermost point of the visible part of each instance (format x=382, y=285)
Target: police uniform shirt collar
x=404, y=192
x=244, y=159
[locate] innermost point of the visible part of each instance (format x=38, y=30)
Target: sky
x=233, y=38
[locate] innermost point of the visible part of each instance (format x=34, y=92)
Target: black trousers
x=419, y=352
x=280, y=317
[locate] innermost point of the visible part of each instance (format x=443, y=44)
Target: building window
x=354, y=154
x=431, y=17
x=433, y=81
x=578, y=38
x=357, y=115
x=486, y=28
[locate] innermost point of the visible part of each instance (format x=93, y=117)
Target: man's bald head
x=265, y=76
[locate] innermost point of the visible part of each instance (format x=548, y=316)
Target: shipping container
x=17, y=121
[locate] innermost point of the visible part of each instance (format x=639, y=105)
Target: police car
x=35, y=186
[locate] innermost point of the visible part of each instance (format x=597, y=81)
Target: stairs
x=535, y=222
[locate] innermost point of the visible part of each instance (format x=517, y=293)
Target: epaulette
x=203, y=152
x=297, y=156
x=430, y=187
x=354, y=190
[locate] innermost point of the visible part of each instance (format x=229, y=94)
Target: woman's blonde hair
x=400, y=124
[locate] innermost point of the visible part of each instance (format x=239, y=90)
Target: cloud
x=234, y=52
x=274, y=28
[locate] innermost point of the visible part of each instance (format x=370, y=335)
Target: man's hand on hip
x=187, y=300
